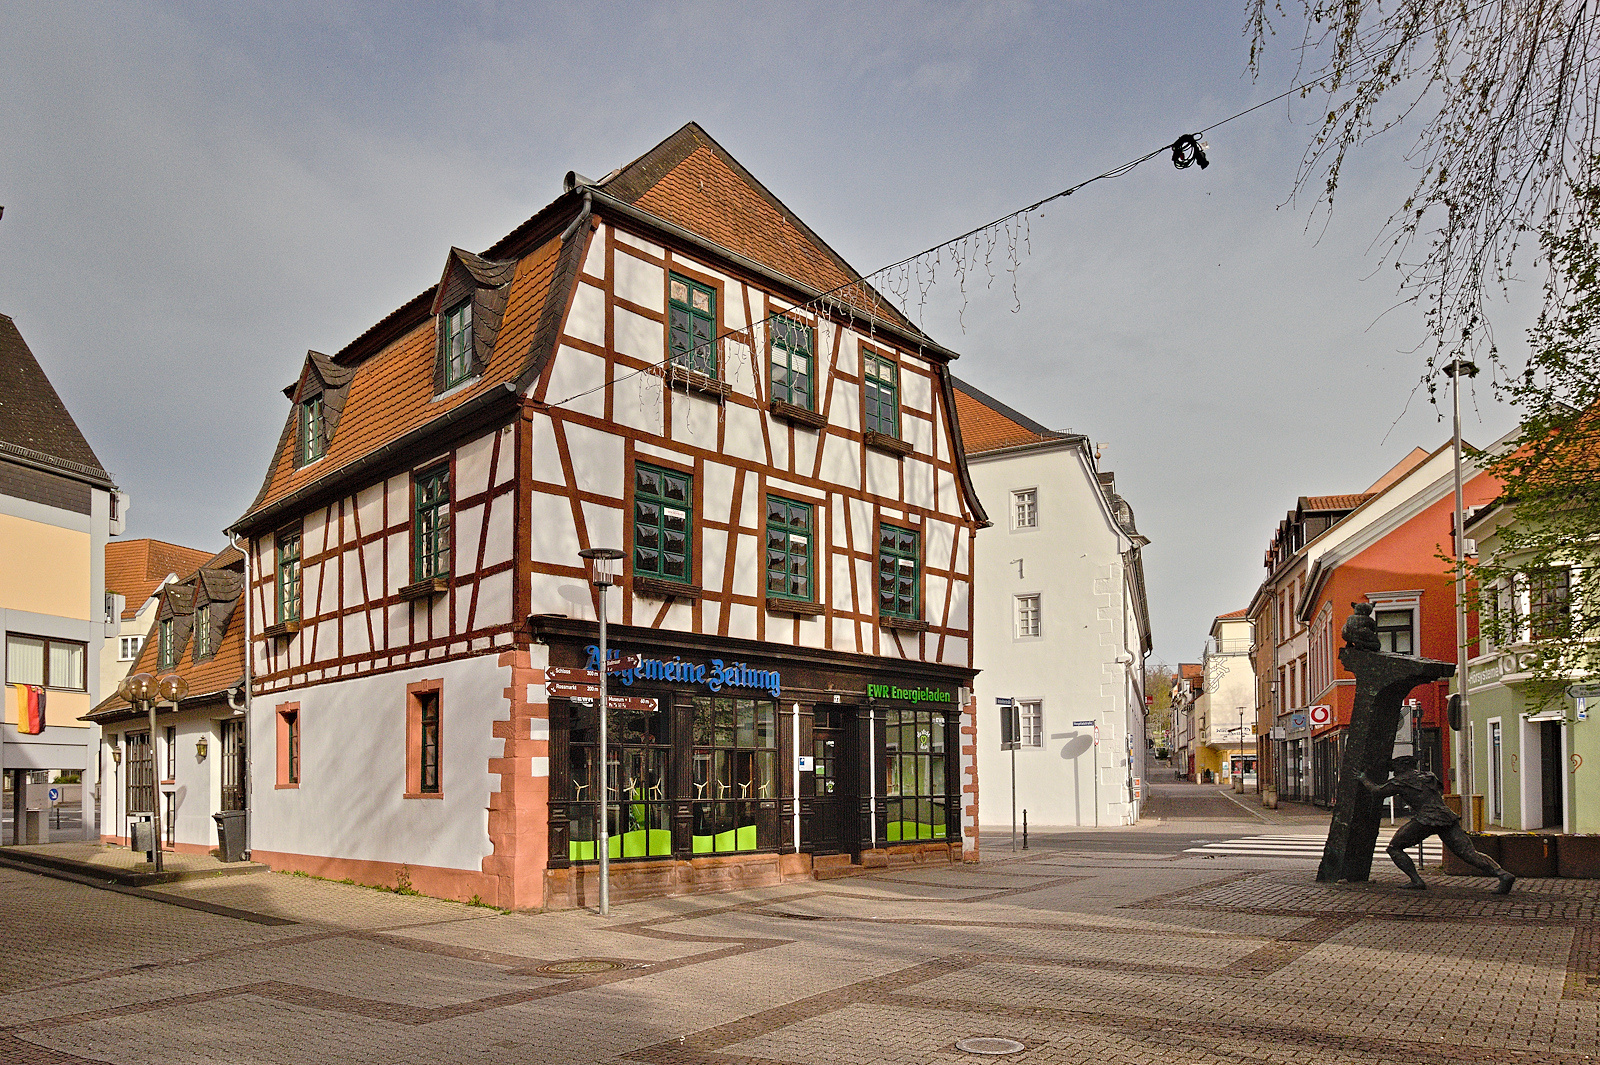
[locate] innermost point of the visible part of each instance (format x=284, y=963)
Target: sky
x=195, y=194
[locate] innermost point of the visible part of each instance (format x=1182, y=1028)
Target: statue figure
x=1361, y=628
x=1424, y=793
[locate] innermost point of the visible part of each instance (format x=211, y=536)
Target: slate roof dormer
x=320, y=379
x=487, y=284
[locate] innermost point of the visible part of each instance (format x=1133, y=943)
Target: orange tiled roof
x=392, y=391
x=223, y=670
x=1230, y=615
x=1190, y=670
x=1344, y=502
x=136, y=568
x=987, y=424
x=691, y=181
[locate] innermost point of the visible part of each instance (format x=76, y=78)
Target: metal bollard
x=1024, y=830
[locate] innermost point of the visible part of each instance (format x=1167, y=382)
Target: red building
x=1390, y=549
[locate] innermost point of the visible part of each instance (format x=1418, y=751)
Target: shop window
x=424, y=733
x=47, y=662
x=916, y=787
x=1395, y=631
x=793, y=378
x=789, y=543
x=691, y=325
x=662, y=520
x=899, y=576
x=735, y=775
x=288, y=576
x=430, y=528
x=880, y=390
x=638, y=813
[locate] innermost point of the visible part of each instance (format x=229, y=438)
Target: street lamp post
x=143, y=690
x=1456, y=369
x=603, y=566
x=1241, y=750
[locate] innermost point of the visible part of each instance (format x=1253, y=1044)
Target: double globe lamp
x=143, y=691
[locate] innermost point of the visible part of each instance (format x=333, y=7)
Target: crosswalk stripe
x=1297, y=846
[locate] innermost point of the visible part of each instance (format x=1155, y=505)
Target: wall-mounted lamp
x=116, y=754
x=200, y=749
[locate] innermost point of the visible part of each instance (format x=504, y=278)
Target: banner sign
x=714, y=675
x=915, y=695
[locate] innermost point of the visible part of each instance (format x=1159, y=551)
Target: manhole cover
x=989, y=1044
x=578, y=967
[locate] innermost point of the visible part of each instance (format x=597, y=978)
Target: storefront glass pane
x=735, y=775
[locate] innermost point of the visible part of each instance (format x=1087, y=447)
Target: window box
x=426, y=589
x=796, y=415
x=889, y=621
x=884, y=442
x=695, y=381
x=656, y=588
x=282, y=630
x=779, y=605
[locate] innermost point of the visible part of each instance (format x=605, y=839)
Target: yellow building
x=58, y=506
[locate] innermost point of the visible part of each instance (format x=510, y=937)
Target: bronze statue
x=1361, y=628
x=1424, y=793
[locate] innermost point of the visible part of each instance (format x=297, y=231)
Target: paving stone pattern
x=1170, y=959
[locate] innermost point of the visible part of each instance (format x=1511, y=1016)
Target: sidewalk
x=121, y=865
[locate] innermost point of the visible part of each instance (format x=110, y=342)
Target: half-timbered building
x=668, y=362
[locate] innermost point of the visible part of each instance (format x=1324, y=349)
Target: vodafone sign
x=1320, y=715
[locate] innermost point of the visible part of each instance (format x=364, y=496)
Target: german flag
x=30, y=709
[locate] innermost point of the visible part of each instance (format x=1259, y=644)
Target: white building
x=1060, y=624
x=1224, y=714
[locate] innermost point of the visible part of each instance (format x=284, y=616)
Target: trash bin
x=230, y=835
x=142, y=833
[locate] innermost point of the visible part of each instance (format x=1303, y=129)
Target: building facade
x=196, y=763
x=648, y=364
x=58, y=506
x=1061, y=623
x=136, y=570
x=1533, y=763
x=1224, y=747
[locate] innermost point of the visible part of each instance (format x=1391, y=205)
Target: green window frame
x=691, y=325
x=164, y=649
x=880, y=390
x=430, y=524
x=457, y=341
x=916, y=784
x=663, y=523
x=288, y=576
x=793, y=362
x=202, y=632
x=790, y=550
x=899, y=573
x=313, y=444
x=735, y=775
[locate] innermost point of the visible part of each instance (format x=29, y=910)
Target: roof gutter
x=477, y=406
x=627, y=210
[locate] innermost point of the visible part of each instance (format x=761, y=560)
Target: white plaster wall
x=1072, y=561
x=353, y=769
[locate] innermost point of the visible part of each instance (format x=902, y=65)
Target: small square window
x=1025, y=507
x=899, y=573
x=128, y=648
x=663, y=523
x=789, y=554
x=1027, y=616
x=1394, y=631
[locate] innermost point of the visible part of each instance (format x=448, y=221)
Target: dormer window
x=202, y=632
x=312, y=436
x=456, y=329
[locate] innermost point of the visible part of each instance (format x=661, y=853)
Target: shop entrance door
x=830, y=791
x=1550, y=773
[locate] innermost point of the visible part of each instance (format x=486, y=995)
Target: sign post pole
x=1010, y=727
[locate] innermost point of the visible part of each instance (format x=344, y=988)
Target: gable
x=34, y=423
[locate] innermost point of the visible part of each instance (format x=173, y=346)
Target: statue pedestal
x=1382, y=683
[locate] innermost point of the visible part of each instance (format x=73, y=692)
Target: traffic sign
x=1587, y=690
x=572, y=676
x=55, y=794
x=625, y=663
x=590, y=693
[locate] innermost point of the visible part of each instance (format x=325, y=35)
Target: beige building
x=58, y=506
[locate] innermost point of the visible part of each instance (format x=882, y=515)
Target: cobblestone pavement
x=1147, y=957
